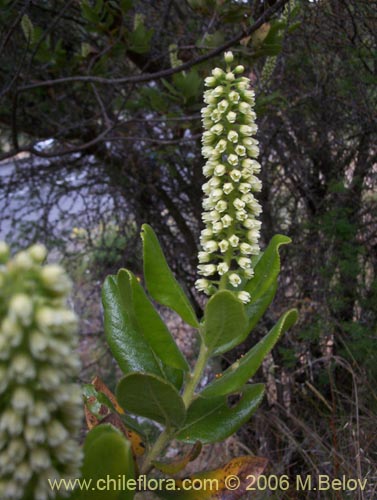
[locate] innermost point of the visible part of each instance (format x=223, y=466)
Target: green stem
x=196, y=375
x=156, y=449
x=187, y=397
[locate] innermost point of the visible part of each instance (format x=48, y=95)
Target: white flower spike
x=38, y=337
x=230, y=208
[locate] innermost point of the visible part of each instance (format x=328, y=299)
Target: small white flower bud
x=215, y=182
x=38, y=253
x=248, y=142
x=22, y=399
x=202, y=285
x=231, y=117
x=207, y=269
x=215, y=215
x=210, y=99
x=248, y=198
x=244, y=263
x=39, y=459
x=56, y=433
x=210, y=81
x=206, y=111
x=21, y=307
x=223, y=106
x=246, y=130
x=208, y=204
x=233, y=136
x=220, y=170
x=226, y=220
x=221, y=206
x=221, y=146
x=22, y=367
x=207, y=138
x=208, y=169
x=241, y=215
x=244, y=107
x=253, y=235
x=11, y=422
x=34, y=435
x=244, y=187
x=38, y=414
x=222, y=268
x=253, y=151
x=216, y=116
x=207, y=151
x=234, y=280
x=245, y=248
x=239, y=69
x=235, y=175
x=229, y=77
x=49, y=378
x=23, y=472
x=248, y=223
x=210, y=246
x=228, y=187
x=206, y=188
x=216, y=194
x=234, y=240
x=228, y=57
x=218, y=91
x=22, y=261
x=242, y=86
x=238, y=204
x=203, y=257
x=244, y=297
x=249, y=273
x=217, y=129
x=234, y=97
x=217, y=72
x=217, y=227
x=223, y=246
x=233, y=160
x=256, y=184
x=240, y=150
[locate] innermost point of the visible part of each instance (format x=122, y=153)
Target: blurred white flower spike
x=41, y=410
x=230, y=209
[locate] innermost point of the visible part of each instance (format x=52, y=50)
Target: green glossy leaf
x=153, y=328
x=140, y=39
x=262, y=286
x=256, y=308
x=211, y=419
x=129, y=348
x=225, y=322
x=189, y=84
x=242, y=370
x=107, y=454
x=151, y=397
x=161, y=284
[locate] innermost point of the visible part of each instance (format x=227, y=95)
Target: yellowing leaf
x=261, y=33
x=178, y=465
x=100, y=386
x=97, y=413
x=230, y=482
